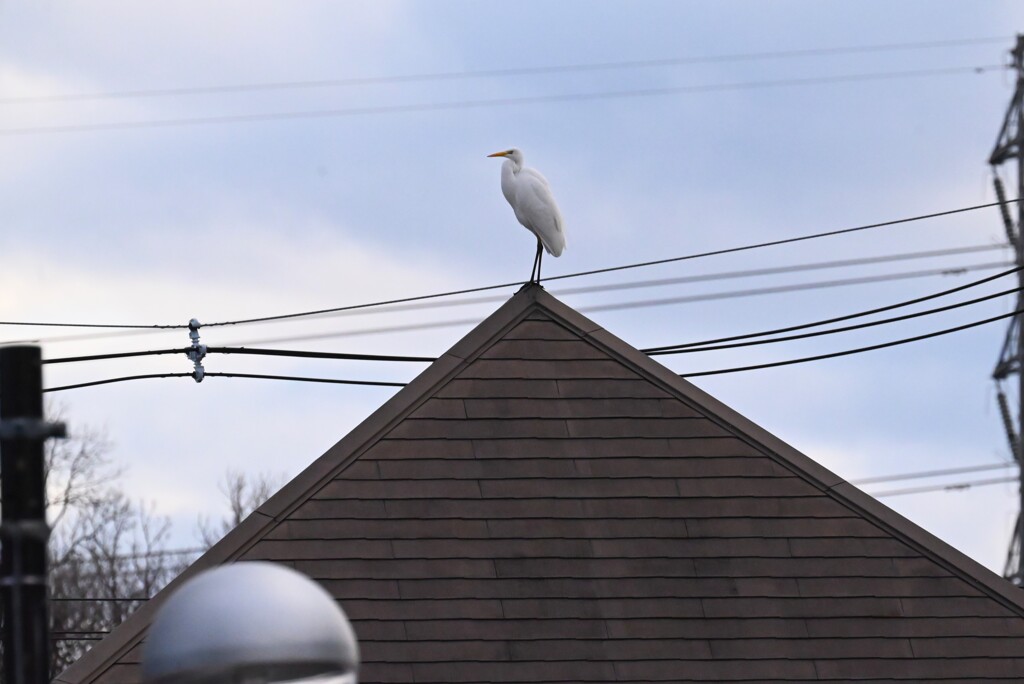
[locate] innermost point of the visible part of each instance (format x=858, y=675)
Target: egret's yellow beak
x=501, y=154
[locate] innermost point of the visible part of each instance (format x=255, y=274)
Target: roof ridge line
x=804, y=466
x=524, y=303
x=324, y=468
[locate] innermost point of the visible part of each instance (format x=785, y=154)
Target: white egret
x=530, y=196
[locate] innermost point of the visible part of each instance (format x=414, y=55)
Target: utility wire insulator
x=1004, y=209
x=197, y=352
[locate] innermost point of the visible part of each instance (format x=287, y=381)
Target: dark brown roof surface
x=546, y=504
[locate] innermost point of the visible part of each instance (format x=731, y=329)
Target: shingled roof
x=545, y=503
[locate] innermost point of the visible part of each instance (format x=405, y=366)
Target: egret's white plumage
x=530, y=196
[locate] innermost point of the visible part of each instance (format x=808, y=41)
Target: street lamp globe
x=251, y=622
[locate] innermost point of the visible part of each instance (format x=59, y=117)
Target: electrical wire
x=778, y=270
x=659, y=282
x=105, y=599
x=256, y=376
x=53, y=637
x=126, y=378
x=869, y=480
x=424, y=359
x=820, y=357
x=815, y=285
x=382, y=330
x=859, y=350
x=318, y=355
x=118, y=355
x=792, y=268
x=933, y=473
x=832, y=331
x=495, y=73
x=242, y=350
x=92, y=325
x=373, y=383
x=821, y=284
x=847, y=317
x=956, y=486
x=653, y=352
x=644, y=264
x=57, y=339
x=489, y=103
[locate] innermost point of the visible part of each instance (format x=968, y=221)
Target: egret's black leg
x=535, y=271
x=540, y=259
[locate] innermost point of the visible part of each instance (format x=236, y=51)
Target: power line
x=91, y=325
x=136, y=555
x=859, y=350
x=294, y=378
x=78, y=338
x=774, y=243
x=644, y=264
x=778, y=270
x=319, y=355
x=837, y=319
x=933, y=473
x=780, y=289
x=684, y=375
x=947, y=270
x=243, y=350
x=94, y=383
x=118, y=355
x=428, y=359
x=847, y=328
x=726, y=275
x=793, y=268
x=405, y=327
x=869, y=480
x=955, y=486
x=492, y=73
x=488, y=103
x=815, y=285
x=151, y=376
x=105, y=599
x=54, y=637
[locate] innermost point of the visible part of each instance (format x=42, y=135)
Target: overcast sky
x=150, y=208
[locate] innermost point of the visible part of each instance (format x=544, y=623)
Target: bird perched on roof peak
x=530, y=196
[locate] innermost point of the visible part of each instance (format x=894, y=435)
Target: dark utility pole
x=1010, y=146
x=23, y=529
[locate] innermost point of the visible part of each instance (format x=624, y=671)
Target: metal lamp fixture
x=251, y=622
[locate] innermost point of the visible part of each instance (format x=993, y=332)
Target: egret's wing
x=535, y=176
x=536, y=209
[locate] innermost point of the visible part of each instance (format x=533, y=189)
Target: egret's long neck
x=509, y=169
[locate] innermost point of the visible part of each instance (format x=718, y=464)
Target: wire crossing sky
x=505, y=72
x=484, y=288
x=455, y=105
x=325, y=163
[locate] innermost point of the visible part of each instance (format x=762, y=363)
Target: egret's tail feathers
x=554, y=243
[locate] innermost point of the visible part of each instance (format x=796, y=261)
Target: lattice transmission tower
x=1010, y=149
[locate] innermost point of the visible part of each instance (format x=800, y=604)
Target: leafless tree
x=108, y=552
x=244, y=493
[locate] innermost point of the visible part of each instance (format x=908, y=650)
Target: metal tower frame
x=1010, y=146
